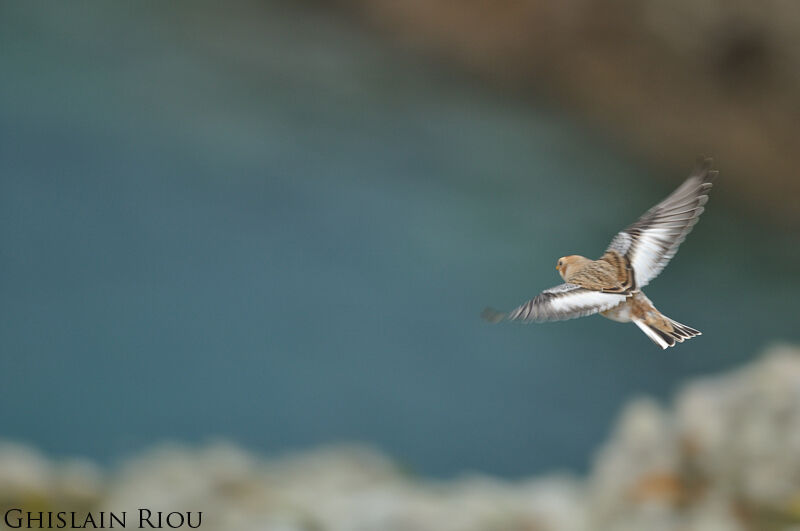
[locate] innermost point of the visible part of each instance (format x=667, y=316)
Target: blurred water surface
x=263, y=223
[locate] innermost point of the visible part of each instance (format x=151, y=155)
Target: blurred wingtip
x=705, y=161
x=703, y=167
x=491, y=315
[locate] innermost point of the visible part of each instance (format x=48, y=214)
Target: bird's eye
x=559, y=263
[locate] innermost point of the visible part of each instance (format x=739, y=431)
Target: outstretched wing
x=653, y=240
x=565, y=301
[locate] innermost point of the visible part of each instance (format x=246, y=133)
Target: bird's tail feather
x=680, y=332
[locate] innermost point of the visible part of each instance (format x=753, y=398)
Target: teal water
x=268, y=225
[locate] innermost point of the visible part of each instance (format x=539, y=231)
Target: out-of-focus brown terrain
x=670, y=79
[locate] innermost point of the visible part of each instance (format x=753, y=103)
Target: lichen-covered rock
x=29, y=479
x=727, y=457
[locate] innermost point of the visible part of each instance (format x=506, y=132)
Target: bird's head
x=566, y=264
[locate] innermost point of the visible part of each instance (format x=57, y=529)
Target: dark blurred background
x=278, y=222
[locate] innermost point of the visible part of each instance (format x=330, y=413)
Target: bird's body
x=611, y=273
x=611, y=285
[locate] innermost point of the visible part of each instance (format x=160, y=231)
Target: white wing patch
x=565, y=301
x=581, y=300
x=621, y=243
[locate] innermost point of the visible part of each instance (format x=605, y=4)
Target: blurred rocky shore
x=670, y=79
x=724, y=456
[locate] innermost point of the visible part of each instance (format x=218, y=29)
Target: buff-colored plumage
x=610, y=273
x=611, y=285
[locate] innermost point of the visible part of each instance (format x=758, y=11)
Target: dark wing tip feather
x=491, y=315
x=703, y=163
x=703, y=168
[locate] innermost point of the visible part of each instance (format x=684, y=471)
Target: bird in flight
x=612, y=284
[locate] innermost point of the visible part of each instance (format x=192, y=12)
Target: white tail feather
x=658, y=340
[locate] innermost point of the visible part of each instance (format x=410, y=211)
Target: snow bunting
x=612, y=284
